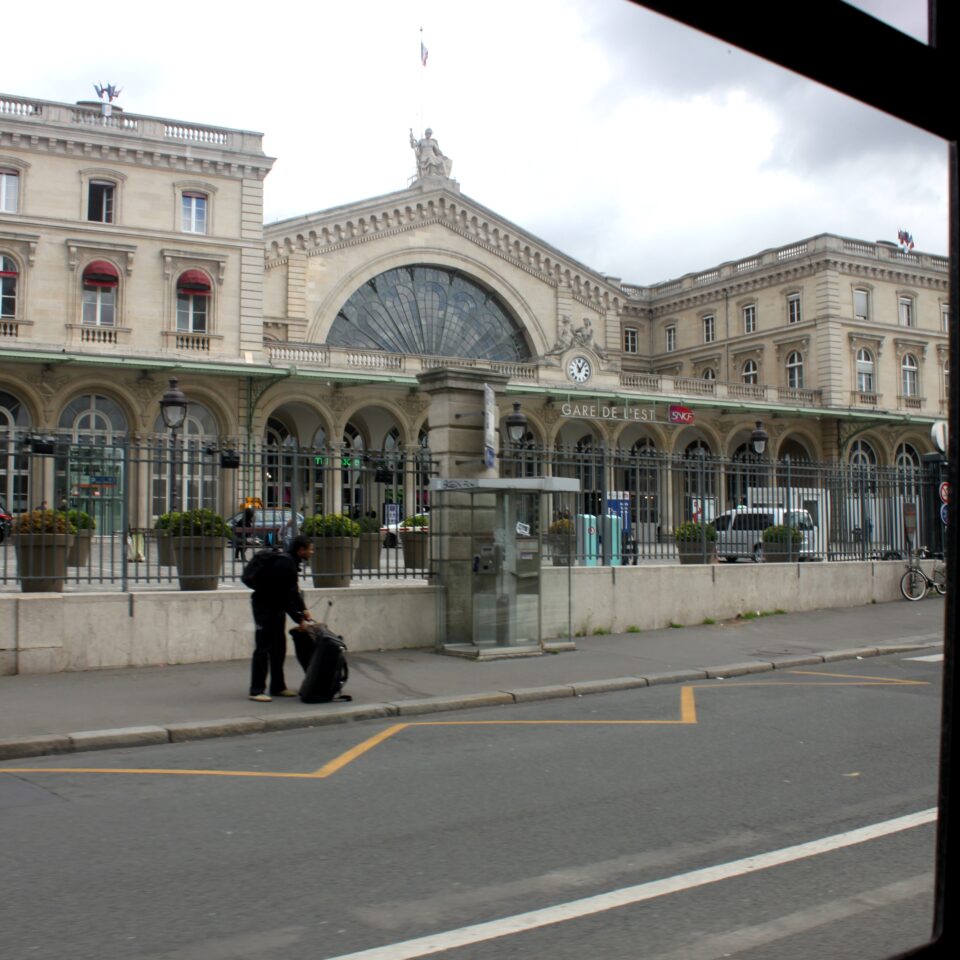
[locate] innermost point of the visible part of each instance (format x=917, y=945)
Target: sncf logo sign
x=680, y=414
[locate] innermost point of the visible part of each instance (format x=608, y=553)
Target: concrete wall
x=650, y=597
x=46, y=633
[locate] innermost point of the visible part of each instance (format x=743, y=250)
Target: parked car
x=6, y=520
x=266, y=526
x=390, y=533
x=740, y=531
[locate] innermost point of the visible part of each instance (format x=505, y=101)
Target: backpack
x=327, y=670
x=256, y=565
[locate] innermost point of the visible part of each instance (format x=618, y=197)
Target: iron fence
x=632, y=504
x=91, y=511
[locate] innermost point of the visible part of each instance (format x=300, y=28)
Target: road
x=751, y=817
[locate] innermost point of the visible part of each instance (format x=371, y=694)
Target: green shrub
x=692, y=532
x=561, y=528
x=197, y=523
x=330, y=525
x=164, y=521
x=81, y=520
x=781, y=533
x=43, y=521
x=417, y=520
x=369, y=525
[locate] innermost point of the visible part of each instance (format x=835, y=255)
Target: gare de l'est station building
x=133, y=248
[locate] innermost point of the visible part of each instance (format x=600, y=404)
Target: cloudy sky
x=630, y=143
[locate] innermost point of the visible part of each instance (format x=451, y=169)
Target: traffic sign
x=945, y=492
x=943, y=513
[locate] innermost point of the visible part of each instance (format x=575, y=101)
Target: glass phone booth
x=488, y=547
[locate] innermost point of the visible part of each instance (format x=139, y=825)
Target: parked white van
x=740, y=531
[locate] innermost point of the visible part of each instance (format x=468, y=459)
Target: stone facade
x=134, y=248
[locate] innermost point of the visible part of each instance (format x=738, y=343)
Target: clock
x=579, y=370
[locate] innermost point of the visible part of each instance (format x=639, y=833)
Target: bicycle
x=915, y=584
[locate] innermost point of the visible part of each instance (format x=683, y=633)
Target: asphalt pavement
x=70, y=712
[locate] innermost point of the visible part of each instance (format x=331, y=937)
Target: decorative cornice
x=121, y=251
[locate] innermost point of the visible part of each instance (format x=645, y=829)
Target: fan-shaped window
x=708, y=374
x=429, y=311
x=92, y=416
x=862, y=455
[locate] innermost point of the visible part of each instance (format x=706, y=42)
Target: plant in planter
x=368, y=554
x=560, y=538
x=198, y=539
x=415, y=540
x=161, y=529
x=85, y=525
x=335, y=541
x=781, y=543
x=43, y=539
x=690, y=538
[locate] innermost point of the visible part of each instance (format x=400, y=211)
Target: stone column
x=456, y=445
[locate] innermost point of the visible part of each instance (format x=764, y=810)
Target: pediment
x=438, y=202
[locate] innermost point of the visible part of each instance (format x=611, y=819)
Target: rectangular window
x=192, y=314
x=99, y=304
x=709, y=328
x=9, y=191
x=193, y=209
x=906, y=311
x=630, y=340
x=945, y=317
x=100, y=201
x=671, y=339
x=793, y=308
x=861, y=305
x=750, y=318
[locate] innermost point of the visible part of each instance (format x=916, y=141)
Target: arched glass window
x=699, y=482
x=795, y=370
x=280, y=446
x=14, y=465
x=909, y=376
x=429, y=310
x=862, y=455
x=195, y=469
x=865, y=379
x=907, y=462
x=9, y=274
x=708, y=374
x=750, y=372
x=100, y=283
x=193, y=302
x=91, y=418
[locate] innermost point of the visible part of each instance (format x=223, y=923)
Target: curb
x=326, y=714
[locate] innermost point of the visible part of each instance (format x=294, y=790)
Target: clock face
x=579, y=370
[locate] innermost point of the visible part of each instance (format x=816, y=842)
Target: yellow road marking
x=334, y=765
x=688, y=715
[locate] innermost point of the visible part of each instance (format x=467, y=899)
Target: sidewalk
x=67, y=712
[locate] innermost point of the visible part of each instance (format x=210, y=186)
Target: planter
x=165, y=557
x=368, y=555
x=332, y=560
x=692, y=551
x=42, y=561
x=199, y=561
x=561, y=549
x=416, y=547
x=777, y=553
x=79, y=554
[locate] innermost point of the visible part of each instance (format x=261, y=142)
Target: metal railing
x=835, y=511
x=92, y=511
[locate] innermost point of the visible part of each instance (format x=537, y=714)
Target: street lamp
x=173, y=409
x=516, y=424
x=758, y=439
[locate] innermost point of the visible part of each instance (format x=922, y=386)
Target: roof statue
x=430, y=159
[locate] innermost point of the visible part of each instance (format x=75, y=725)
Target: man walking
x=276, y=594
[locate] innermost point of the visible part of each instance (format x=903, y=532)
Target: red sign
x=944, y=492
x=680, y=414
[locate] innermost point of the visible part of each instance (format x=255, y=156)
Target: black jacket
x=278, y=590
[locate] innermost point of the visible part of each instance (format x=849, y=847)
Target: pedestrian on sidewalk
x=277, y=594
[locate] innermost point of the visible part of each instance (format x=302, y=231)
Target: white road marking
x=931, y=658
x=574, y=909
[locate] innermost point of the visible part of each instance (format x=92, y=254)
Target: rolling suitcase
x=326, y=671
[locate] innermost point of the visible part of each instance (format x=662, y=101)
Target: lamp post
x=173, y=409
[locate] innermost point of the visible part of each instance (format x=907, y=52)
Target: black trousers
x=270, y=650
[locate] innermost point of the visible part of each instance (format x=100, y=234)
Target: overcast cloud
x=634, y=145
